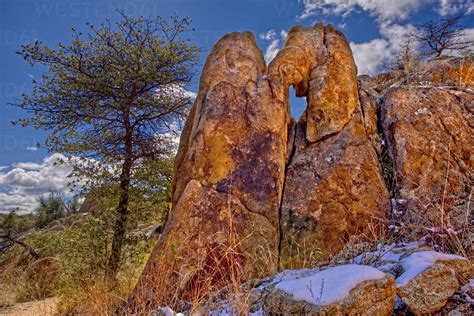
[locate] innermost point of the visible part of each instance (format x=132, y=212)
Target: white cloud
x=448, y=7
x=32, y=148
x=27, y=181
x=469, y=36
x=383, y=10
x=270, y=35
x=371, y=56
x=397, y=34
x=274, y=46
x=27, y=165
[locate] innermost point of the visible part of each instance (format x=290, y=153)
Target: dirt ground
x=44, y=307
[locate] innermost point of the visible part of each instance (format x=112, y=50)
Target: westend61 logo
x=95, y=9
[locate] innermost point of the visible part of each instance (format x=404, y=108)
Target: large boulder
x=333, y=190
x=331, y=86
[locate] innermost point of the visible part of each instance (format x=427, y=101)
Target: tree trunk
x=120, y=227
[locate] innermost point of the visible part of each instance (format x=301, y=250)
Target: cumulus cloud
x=371, y=56
x=383, y=10
x=274, y=46
x=27, y=181
x=448, y=7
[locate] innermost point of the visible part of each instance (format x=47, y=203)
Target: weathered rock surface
x=232, y=152
x=333, y=187
x=333, y=190
x=331, y=86
x=425, y=279
x=212, y=236
x=430, y=136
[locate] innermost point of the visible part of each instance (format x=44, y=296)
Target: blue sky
x=375, y=29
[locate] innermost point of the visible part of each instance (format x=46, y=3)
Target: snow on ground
x=330, y=285
x=418, y=262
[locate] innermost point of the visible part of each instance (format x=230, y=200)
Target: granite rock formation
x=254, y=191
x=333, y=187
x=229, y=172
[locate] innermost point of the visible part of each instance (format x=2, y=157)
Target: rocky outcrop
x=430, y=290
x=393, y=279
x=333, y=187
x=229, y=172
x=331, y=87
x=333, y=190
x=255, y=191
x=425, y=279
x=430, y=279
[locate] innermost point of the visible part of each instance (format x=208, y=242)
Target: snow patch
x=418, y=262
x=166, y=311
x=330, y=285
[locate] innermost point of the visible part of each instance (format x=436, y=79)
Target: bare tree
x=437, y=36
x=407, y=58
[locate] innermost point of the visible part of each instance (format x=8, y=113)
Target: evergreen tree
x=109, y=98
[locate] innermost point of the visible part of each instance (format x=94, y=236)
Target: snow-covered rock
x=346, y=289
x=418, y=262
x=429, y=279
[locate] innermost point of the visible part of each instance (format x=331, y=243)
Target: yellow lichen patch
x=216, y=162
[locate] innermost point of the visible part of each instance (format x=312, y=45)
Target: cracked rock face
x=333, y=188
x=230, y=168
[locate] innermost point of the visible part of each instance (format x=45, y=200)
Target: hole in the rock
x=297, y=105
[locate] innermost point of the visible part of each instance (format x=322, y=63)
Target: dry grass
x=222, y=276
x=203, y=284
x=444, y=223
x=23, y=279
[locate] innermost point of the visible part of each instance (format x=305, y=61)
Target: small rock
x=430, y=290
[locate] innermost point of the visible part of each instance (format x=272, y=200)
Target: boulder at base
x=340, y=290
